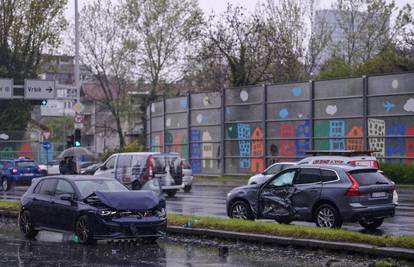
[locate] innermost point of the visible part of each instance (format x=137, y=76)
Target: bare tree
x=166, y=29
x=108, y=53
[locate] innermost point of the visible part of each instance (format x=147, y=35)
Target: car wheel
x=371, y=223
x=187, y=188
x=5, y=184
x=171, y=193
x=284, y=220
x=83, y=231
x=327, y=216
x=26, y=224
x=43, y=172
x=241, y=210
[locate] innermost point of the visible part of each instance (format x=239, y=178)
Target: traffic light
x=69, y=141
x=37, y=102
x=77, y=137
x=43, y=102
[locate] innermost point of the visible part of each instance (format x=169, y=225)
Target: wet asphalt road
x=53, y=249
x=210, y=200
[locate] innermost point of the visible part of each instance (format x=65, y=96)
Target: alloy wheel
x=24, y=223
x=239, y=211
x=82, y=230
x=326, y=218
x=4, y=184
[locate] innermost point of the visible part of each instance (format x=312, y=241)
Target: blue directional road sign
x=46, y=145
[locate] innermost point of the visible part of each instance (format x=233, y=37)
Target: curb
x=298, y=242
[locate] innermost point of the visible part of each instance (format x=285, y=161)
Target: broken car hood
x=129, y=200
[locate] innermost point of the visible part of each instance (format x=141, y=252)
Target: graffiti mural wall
x=243, y=130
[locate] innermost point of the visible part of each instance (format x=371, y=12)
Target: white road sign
x=66, y=92
x=6, y=88
x=39, y=89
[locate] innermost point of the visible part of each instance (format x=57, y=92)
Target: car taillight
x=150, y=166
x=376, y=164
x=353, y=191
x=182, y=168
x=14, y=170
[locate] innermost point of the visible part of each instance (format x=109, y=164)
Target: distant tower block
x=257, y=150
x=195, y=150
x=409, y=145
x=354, y=141
x=207, y=150
x=177, y=146
x=287, y=147
x=302, y=136
x=243, y=133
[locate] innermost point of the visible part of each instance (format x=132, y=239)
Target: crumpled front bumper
x=130, y=227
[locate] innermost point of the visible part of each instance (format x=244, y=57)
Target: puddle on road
x=55, y=249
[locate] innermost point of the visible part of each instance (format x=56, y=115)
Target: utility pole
x=77, y=82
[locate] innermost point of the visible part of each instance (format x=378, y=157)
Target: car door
x=108, y=168
x=41, y=202
x=64, y=212
x=123, y=169
x=275, y=197
x=308, y=187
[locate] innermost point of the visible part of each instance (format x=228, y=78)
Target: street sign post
x=39, y=89
x=6, y=88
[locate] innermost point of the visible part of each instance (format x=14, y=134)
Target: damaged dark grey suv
x=326, y=195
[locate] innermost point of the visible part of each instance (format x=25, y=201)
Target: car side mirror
x=102, y=168
x=67, y=198
x=264, y=173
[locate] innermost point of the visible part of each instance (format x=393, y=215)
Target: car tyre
x=26, y=224
x=136, y=185
x=327, y=216
x=5, y=184
x=371, y=224
x=284, y=220
x=187, y=188
x=171, y=193
x=241, y=210
x=83, y=231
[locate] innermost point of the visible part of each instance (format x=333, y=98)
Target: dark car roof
x=333, y=167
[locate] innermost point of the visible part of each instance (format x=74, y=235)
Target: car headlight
x=106, y=213
x=161, y=213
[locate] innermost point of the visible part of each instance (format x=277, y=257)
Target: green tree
x=335, y=68
x=27, y=28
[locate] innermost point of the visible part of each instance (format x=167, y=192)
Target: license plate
x=27, y=174
x=378, y=194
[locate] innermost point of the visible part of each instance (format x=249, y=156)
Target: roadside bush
x=399, y=173
x=135, y=146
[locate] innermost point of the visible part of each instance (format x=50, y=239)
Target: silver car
x=262, y=177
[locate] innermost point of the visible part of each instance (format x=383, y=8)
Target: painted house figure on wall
x=207, y=150
x=243, y=133
x=287, y=147
x=195, y=150
x=354, y=141
x=257, y=151
x=336, y=129
x=376, y=128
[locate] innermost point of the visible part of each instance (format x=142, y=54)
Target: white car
x=367, y=161
x=52, y=167
x=260, y=178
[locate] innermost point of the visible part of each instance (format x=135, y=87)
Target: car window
x=63, y=188
x=152, y=185
x=138, y=161
x=110, y=164
x=37, y=188
x=273, y=169
x=25, y=164
x=308, y=176
x=285, y=178
x=369, y=177
x=124, y=161
x=48, y=187
x=87, y=187
x=328, y=175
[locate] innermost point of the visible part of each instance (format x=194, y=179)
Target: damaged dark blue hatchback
x=93, y=208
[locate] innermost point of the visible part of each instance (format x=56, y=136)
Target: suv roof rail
x=348, y=153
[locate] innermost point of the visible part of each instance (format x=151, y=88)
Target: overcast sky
x=218, y=6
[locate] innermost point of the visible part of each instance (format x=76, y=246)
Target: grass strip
x=294, y=231
x=10, y=205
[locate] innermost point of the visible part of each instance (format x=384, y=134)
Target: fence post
x=264, y=118
x=188, y=125
x=312, y=114
x=365, y=112
x=163, y=123
x=223, y=131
